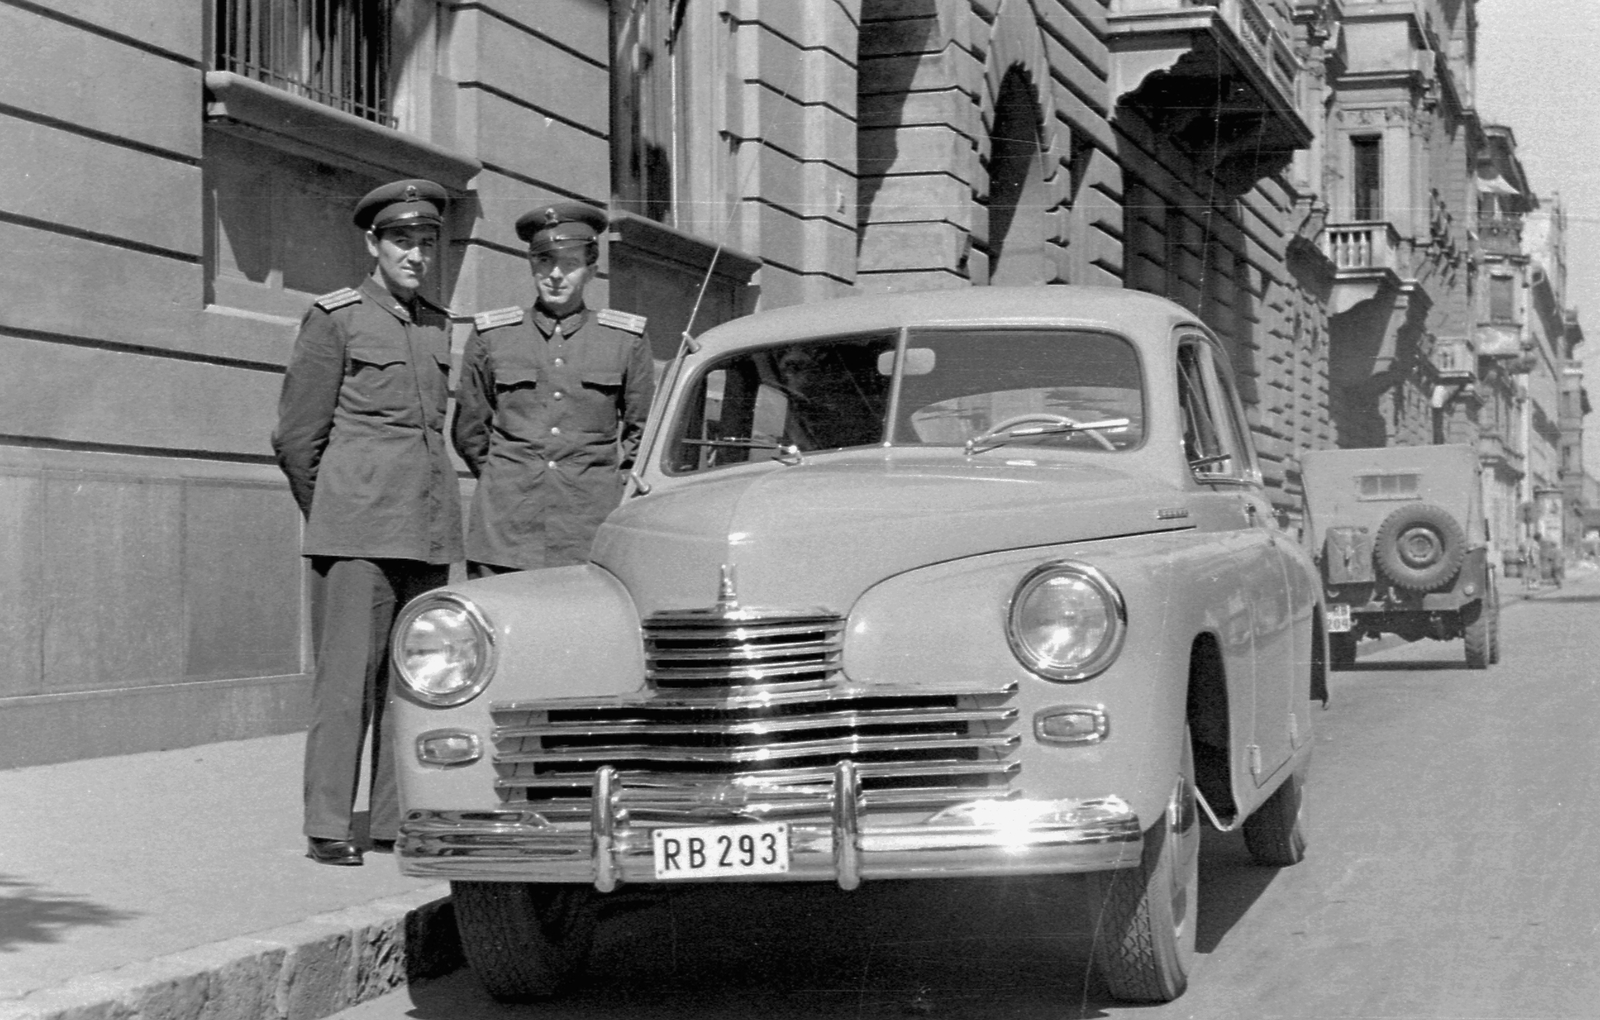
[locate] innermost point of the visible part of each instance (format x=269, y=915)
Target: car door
x=1223, y=461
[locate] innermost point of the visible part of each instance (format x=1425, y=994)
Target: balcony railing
x=1363, y=246
x=335, y=52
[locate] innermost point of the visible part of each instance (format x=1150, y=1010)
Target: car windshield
x=954, y=386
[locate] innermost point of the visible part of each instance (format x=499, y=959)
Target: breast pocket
x=514, y=377
x=377, y=379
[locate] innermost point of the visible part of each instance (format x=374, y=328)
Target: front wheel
x=1145, y=916
x=524, y=940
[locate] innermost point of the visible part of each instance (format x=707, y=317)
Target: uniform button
x=551, y=464
x=561, y=361
x=555, y=430
x=556, y=394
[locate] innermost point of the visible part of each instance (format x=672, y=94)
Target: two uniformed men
x=550, y=405
x=360, y=437
x=552, y=401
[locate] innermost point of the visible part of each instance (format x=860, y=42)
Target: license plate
x=721, y=851
x=1338, y=619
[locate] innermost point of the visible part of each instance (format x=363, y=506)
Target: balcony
x=1217, y=77
x=1454, y=359
x=1500, y=235
x=1367, y=258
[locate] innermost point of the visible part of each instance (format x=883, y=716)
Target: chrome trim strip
x=880, y=717
x=686, y=701
x=580, y=782
x=755, y=753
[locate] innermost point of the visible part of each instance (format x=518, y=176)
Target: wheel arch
x=1208, y=711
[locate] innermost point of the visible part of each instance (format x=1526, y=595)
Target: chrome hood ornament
x=727, y=593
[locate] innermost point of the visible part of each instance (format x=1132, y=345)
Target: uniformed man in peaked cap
x=550, y=404
x=361, y=438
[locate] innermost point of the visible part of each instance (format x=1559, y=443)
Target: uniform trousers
x=353, y=606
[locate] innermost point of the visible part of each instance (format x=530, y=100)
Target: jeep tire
x=1420, y=546
x=1477, y=627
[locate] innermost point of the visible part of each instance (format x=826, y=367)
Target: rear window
x=1388, y=486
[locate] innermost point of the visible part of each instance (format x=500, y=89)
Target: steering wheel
x=1005, y=424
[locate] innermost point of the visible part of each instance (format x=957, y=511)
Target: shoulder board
x=621, y=320
x=338, y=299
x=497, y=318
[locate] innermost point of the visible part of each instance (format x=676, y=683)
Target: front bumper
x=831, y=837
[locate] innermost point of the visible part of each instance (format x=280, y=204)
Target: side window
x=1236, y=425
x=1202, y=439
x=1216, y=441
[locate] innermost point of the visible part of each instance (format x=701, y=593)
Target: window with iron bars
x=335, y=52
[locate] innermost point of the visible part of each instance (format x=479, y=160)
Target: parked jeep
x=1401, y=541
x=925, y=586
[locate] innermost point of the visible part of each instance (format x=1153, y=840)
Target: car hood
x=820, y=533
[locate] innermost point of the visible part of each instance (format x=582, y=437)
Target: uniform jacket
x=361, y=429
x=548, y=417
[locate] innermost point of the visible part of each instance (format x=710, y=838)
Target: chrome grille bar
x=823, y=720
x=589, y=756
x=740, y=648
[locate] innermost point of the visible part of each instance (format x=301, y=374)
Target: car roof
x=1086, y=307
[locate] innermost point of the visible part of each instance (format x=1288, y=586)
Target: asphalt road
x=1454, y=845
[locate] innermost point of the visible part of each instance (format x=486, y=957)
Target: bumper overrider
x=831, y=837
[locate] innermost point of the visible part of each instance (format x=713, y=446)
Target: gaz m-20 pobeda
x=980, y=582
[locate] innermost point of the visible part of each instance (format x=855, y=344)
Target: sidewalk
x=1582, y=578
x=173, y=885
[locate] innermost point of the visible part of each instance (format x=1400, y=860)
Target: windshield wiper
x=990, y=440
x=788, y=453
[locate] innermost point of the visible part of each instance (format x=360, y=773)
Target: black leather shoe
x=383, y=846
x=333, y=851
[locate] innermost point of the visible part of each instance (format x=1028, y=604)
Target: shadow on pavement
x=32, y=914
x=973, y=949
x=1230, y=884
x=1414, y=665
x=1567, y=598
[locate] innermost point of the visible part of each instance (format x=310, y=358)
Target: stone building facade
x=1297, y=172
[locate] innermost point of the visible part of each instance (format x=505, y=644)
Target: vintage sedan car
x=972, y=583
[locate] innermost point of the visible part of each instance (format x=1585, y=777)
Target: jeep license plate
x=721, y=851
x=1338, y=618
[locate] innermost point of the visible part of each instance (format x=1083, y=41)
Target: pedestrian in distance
x=360, y=437
x=550, y=404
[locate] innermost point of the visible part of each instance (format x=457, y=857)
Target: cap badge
x=411, y=192
x=551, y=217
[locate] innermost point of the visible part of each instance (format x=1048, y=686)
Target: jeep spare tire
x=1420, y=546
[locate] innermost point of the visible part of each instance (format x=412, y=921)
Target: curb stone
x=303, y=971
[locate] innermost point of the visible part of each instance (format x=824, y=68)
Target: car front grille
x=710, y=649
x=742, y=705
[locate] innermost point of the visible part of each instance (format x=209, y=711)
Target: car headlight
x=443, y=650
x=1066, y=621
